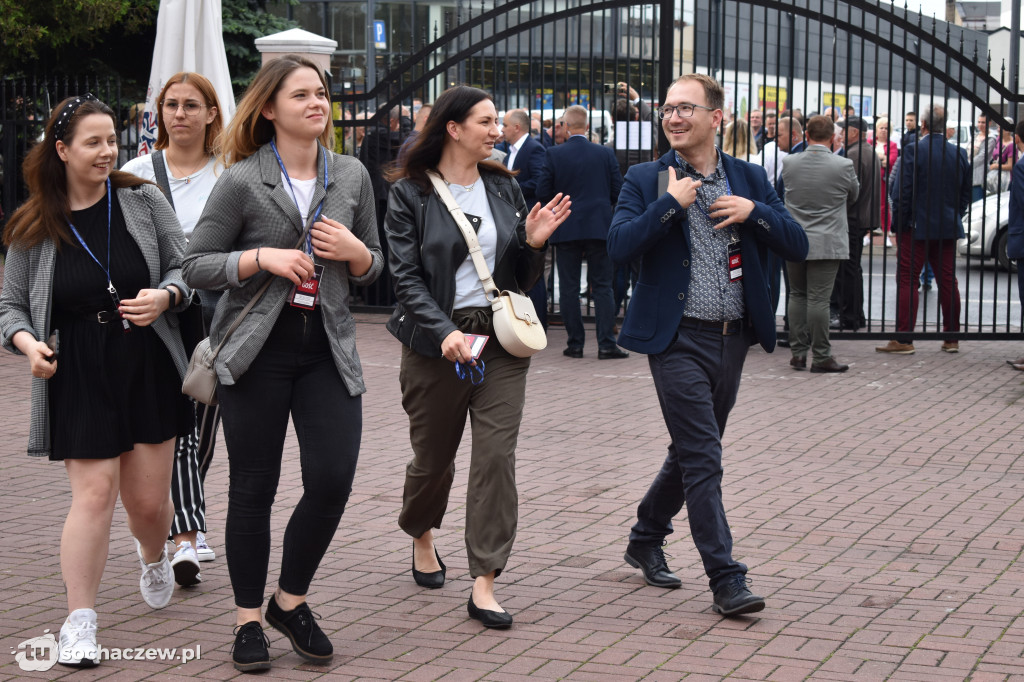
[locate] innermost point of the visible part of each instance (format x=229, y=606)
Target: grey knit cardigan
x=28, y=286
x=250, y=207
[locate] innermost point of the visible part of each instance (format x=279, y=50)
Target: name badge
x=735, y=262
x=476, y=344
x=307, y=294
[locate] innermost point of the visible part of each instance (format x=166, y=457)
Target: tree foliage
x=244, y=22
x=54, y=30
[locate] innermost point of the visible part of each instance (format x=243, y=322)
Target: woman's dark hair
x=454, y=104
x=46, y=213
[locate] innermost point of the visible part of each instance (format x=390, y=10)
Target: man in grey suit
x=819, y=187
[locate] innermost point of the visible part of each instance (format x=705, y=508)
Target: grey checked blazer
x=251, y=207
x=28, y=284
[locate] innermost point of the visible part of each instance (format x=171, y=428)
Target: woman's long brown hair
x=249, y=130
x=46, y=213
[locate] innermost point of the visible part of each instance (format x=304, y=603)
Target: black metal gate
x=883, y=60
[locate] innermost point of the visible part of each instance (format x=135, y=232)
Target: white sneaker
x=867, y=240
x=202, y=549
x=78, y=646
x=186, y=565
x=888, y=242
x=157, y=581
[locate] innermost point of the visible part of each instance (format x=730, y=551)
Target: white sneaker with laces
x=157, y=581
x=202, y=549
x=186, y=565
x=78, y=646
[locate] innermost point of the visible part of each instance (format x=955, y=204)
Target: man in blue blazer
x=934, y=191
x=703, y=224
x=526, y=155
x=1015, y=241
x=589, y=173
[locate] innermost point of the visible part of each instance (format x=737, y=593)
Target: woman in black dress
x=94, y=262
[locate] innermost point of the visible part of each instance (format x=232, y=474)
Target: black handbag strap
x=160, y=171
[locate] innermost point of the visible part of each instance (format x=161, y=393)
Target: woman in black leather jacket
x=440, y=300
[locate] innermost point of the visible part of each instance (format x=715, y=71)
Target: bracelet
x=534, y=246
x=258, y=266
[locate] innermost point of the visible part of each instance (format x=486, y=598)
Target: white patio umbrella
x=189, y=37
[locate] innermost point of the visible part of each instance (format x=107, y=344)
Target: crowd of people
x=254, y=234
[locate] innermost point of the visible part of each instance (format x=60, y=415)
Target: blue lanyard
x=319, y=208
x=106, y=270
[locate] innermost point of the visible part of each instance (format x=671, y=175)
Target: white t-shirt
x=469, y=291
x=303, y=194
x=189, y=195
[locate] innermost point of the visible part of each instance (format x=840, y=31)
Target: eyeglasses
x=684, y=110
x=191, y=107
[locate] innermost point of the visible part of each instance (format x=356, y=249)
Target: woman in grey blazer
x=294, y=353
x=96, y=254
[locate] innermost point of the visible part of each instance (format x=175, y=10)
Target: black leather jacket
x=426, y=248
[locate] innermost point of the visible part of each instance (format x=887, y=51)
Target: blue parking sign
x=379, y=35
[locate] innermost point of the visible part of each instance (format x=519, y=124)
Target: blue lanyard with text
x=106, y=270
x=319, y=208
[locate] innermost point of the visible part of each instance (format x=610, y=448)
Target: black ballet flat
x=499, y=620
x=431, y=580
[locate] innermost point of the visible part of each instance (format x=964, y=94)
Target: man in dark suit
x=703, y=233
x=1015, y=241
x=589, y=173
x=862, y=216
x=526, y=155
x=934, y=191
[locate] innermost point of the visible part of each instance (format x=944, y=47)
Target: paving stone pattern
x=880, y=513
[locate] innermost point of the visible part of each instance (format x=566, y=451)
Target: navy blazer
x=656, y=229
x=589, y=173
x=934, y=189
x=529, y=161
x=1015, y=241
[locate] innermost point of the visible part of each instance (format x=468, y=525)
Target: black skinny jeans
x=293, y=374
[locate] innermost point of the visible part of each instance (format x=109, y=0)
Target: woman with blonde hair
x=887, y=151
x=291, y=214
x=184, y=166
x=91, y=284
x=737, y=142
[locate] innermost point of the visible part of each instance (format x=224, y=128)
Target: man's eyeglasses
x=191, y=107
x=684, y=110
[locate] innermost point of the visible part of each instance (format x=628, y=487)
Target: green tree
x=244, y=22
x=57, y=33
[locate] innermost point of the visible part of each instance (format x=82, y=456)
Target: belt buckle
x=725, y=328
x=105, y=316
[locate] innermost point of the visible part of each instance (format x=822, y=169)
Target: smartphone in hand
x=53, y=343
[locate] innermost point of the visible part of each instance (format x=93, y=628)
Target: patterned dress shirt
x=711, y=295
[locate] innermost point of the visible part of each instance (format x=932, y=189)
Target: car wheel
x=1000, y=252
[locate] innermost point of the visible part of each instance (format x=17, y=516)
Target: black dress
x=112, y=388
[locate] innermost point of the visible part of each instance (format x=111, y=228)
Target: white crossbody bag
x=516, y=323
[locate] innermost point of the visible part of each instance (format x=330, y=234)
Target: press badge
x=307, y=294
x=476, y=344
x=735, y=262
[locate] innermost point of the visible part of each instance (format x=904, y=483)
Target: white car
x=988, y=230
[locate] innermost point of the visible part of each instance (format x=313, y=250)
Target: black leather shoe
x=250, y=652
x=499, y=620
x=829, y=365
x=798, y=363
x=612, y=354
x=651, y=560
x=734, y=598
x=432, y=580
x=299, y=625
x=572, y=352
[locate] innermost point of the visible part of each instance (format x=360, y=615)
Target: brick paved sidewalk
x=880, y=512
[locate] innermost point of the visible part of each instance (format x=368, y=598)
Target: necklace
x=188, y=176
x=468, y=188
